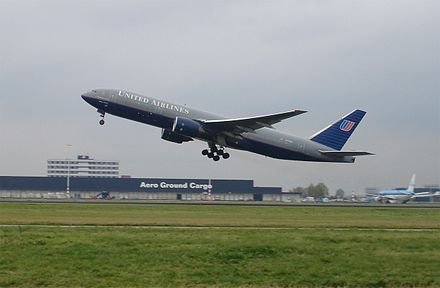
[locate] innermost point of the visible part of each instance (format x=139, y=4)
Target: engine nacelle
x=187, y=127
x=174, y=137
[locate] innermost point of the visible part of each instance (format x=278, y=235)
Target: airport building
x=141, y=189
x=87, y=178
x=83, y=166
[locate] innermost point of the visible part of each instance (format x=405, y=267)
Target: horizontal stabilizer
x=250, y=124
x=345, y=153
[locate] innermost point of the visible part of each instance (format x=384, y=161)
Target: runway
x=217, y=227
x=212, y=203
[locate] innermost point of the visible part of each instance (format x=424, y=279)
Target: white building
x=83, y=166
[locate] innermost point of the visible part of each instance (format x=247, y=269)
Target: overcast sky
x=233, y=58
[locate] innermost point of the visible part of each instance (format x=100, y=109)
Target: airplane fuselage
x=395, y=196
x=162, y=114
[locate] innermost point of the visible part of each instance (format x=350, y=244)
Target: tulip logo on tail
x=347, y=125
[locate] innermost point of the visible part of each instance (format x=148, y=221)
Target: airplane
x=400, y=196
x=180, y=124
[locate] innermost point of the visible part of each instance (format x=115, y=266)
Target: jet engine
x=174, y=137
x=187, y=127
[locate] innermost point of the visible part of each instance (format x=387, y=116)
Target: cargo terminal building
x=86, y=178
x=141, y=189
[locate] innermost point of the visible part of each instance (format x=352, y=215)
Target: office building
x=83, y=166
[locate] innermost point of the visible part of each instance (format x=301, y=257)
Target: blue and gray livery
x=180, y=123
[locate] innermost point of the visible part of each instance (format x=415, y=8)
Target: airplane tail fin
x=412, y=183
x=335, y=135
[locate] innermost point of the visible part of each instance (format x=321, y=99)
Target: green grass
x=107, y=256
x=172, y=215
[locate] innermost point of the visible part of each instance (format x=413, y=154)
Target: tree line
x=319, y=190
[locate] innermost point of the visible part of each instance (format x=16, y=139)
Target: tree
x=299, y=189
x=320, y=190
x=339, y=193
x=316, y=191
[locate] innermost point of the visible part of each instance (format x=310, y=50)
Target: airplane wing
x=378, y=197
x=424, y=194
x=240, y=125
x=345, y=153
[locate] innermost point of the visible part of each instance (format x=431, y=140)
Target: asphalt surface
x=211, y=203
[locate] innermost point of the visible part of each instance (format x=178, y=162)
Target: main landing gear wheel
x=101, y=122
x=215, y=153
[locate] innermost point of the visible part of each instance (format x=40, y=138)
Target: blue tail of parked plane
x=335, y=135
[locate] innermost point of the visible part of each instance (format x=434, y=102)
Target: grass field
x=235, y=246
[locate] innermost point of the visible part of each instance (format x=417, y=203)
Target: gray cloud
x=236, y=58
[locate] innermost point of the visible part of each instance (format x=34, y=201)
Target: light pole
x=68, y=175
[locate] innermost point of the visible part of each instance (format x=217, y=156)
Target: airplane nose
x=87, y=96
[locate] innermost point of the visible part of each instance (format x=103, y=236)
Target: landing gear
x=215, y=153
x=101, y=114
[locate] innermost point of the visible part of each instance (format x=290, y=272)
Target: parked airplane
x=254, y=134
x=400, y=196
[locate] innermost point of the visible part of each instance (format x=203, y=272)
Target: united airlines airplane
x=254, y=134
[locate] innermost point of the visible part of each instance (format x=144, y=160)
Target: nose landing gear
x=101, y=114
x=215, y=153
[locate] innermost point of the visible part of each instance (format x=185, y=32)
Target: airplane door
x=302, y=147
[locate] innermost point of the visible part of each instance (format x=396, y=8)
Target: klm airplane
x=401, y=196
x=254, y=134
